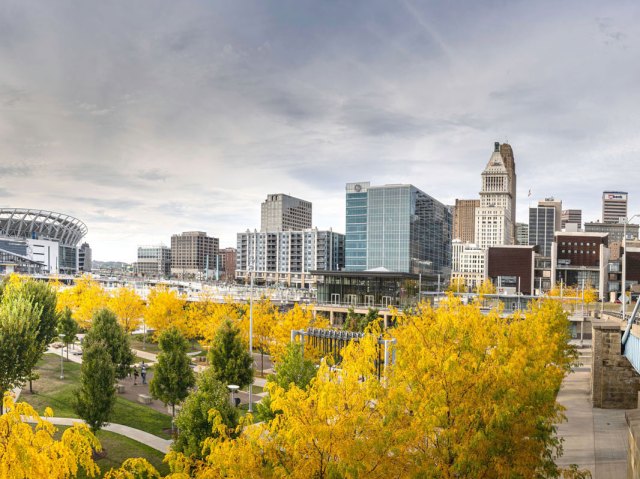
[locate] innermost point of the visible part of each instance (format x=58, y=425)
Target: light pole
x=62, y=357
x=251, y=341
x=623, y=286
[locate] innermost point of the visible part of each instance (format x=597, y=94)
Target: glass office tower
x=355, y=248
x=396, y=227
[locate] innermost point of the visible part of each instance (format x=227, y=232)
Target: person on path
x=135, y=375
x=143, y=372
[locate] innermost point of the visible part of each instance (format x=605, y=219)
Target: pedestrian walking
x=135, y=375
x=143, y=372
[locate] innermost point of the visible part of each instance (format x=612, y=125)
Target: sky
x=148, y=118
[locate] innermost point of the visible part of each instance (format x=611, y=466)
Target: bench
x=120, y=388
x=144, y=398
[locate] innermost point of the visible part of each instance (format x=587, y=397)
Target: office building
x=510, y=163
x=581, y=259
x=522, y=233
x=494, y=218
x=84, y=258
x=193, y=255
x=396, y=228
x=511, y=268
x=288, y=257
x=464, y=220
x=557, y=205
x=469, y=262
x=616, y=234
x=227, y=264
x=153, y=261
x=571, y=216
x=614, y=206
x=542, y=223
x=281, y=212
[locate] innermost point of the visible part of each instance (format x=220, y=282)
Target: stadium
x=41, y=241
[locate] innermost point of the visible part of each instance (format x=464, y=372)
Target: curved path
x=143, y=437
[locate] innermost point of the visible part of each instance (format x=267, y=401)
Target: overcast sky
x=147, y=118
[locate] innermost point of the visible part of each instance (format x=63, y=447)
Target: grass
x=148, y=347
x=58, y=394
x=119, y=448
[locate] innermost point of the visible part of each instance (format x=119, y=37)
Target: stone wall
x=614, y=381
x=633, y=454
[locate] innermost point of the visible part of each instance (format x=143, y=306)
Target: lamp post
x=623, y=286
x=62, y=357
x=251, y=340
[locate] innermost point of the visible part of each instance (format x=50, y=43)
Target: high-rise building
x=464, y=220
x=153, y=261
x=396, y=227
x=355, y=243
x=614, y=206
x=542, y=223
x=571, y=216
x=84, y=258
x=510, y=163
x=522, y=233
x=494, y=218
x=227, y=264
x=616, y=234
x=288, y=257
x=193, y=254
x=557, y=205
x=468, y=262
x=281, y=212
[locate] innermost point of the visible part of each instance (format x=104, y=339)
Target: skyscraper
x=281, y=212
x=510, y=163
x=542, y=226
x=614, y=206
x=396, y=227
x=464, y=220
x=494, y=217
x=571, y=216
x=557, y=205
x=522, y=233
x=193, y=253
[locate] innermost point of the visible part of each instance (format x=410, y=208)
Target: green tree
x=95, y=398
x=67, y=328
x=230, y=358
x=106, y=329
x=18, y=340
x=293, y=369
x=195, y=421
x=172, y=376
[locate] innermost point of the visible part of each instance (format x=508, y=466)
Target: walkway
x=150, y=440
x=594, y=439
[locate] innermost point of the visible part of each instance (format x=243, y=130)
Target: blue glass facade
x=397, y=227
x=356, y=227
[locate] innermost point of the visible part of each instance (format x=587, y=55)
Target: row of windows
x=568, y=243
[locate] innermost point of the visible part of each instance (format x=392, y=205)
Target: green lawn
x=119, y=448
x=58, y=394
x=148, y=347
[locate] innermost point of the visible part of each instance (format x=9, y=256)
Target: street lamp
x=624, y=266
x=62, y=357
x=251, y=338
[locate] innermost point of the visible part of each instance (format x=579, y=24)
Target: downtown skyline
x=145, y=120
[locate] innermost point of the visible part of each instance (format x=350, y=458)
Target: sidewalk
x=143, y=437
x=594, y=439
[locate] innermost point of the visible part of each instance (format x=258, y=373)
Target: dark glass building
x=397, y=228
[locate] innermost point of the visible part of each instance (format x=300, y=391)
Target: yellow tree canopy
x=457, y=285
x=297, y=318
x=165, y=308
x=486, y=287
x=84, y=298
x=265, y=317
x=208, y=316
x=470, y=395
x=128, y=307
x=32, y=451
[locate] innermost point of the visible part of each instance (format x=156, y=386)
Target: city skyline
x=159, y=118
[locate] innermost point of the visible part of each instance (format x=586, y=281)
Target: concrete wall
x=614, y=381
x=633, y=454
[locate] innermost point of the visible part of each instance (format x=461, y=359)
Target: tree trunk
x=262, y=362
x=30, y=386
x=67, y=352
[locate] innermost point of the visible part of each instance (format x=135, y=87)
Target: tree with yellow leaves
x=28, y=451
x=457, y=285
x=210, y=317
x=84, y=298
x=297, y=318
x=265, y=317
x=486, y=287
x=128, y=308
x=165, y=308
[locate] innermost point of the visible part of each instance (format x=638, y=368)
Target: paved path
x=595, y=439
x=150, y=440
